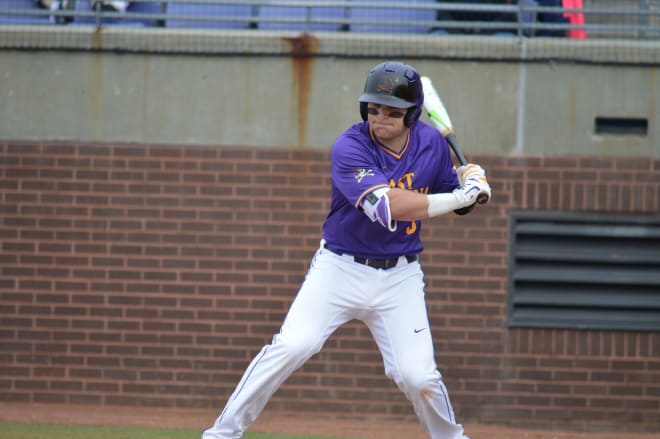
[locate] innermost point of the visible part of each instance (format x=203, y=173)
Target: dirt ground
x=269, y=422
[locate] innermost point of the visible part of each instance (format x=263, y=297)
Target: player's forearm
x=407, y=205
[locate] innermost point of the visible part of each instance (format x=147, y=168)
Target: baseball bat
x=437, y=113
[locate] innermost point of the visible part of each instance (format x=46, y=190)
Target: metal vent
x=590, y=271
x=622, y=126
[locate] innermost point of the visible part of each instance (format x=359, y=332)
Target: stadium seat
x=394, y=15
x=130, y=18
x=33, y=17
x=275, y=18
x=225, y=16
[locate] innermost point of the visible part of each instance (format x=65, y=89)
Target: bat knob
x=482, y=198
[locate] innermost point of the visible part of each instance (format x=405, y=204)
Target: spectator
x=504, y=17
x=575, y=18
x=54, y=5
x=460, y=15
x=112, y=5
x=48, y=4
x=551, y=18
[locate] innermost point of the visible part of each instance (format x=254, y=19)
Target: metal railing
x=597, y=19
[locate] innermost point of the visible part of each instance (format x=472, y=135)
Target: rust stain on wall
x=302, y=47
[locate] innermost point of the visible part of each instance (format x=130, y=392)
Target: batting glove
x=467, y=195
x=470, y=170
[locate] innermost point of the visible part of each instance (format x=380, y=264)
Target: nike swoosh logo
x=417, y=331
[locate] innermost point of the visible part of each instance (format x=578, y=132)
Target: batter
x=388, y=172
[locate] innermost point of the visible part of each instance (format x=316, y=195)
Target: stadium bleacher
x=132, y=17
x=190, y=14
x=302, y=18
x=535, y=18
x=223, y=16
x=393, y=19
x=27, y=13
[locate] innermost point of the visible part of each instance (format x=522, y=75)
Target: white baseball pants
x=336, y=290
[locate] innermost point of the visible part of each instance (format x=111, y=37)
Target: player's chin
x=382, y=130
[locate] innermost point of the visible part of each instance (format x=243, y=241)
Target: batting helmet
x=394, y=84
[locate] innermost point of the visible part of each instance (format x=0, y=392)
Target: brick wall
x=150, y=276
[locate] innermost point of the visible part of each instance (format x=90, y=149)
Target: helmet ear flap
x=363, y=111
x=411, y=116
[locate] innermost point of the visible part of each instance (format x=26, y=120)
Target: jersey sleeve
x=354, y=168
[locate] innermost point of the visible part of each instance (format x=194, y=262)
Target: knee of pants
x=413, y=380
x=296, y=349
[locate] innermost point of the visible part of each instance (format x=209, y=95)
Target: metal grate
x=591, y=271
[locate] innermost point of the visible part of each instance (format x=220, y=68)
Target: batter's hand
x=470, y=170
x=468, y=194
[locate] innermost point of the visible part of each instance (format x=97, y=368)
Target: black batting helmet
x=394, y=84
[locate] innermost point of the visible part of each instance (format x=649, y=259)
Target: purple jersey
x=359, y=165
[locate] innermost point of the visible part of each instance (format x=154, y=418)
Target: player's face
x=386, y=122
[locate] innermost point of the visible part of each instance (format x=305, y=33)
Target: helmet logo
x=385, y=86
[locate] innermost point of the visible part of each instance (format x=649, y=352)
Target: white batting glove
x=469, y=192
x=470, y=170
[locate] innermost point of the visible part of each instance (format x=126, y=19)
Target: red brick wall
x=150, y=276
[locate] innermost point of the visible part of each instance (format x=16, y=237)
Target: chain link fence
x=589, y=30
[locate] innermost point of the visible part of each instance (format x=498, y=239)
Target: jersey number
x=412, y=228
x=406, y=182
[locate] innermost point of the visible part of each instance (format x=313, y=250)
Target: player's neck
x=395, y=144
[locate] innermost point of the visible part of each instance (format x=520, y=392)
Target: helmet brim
x=385, y=99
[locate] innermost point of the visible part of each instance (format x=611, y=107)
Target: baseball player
x=388, y=172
